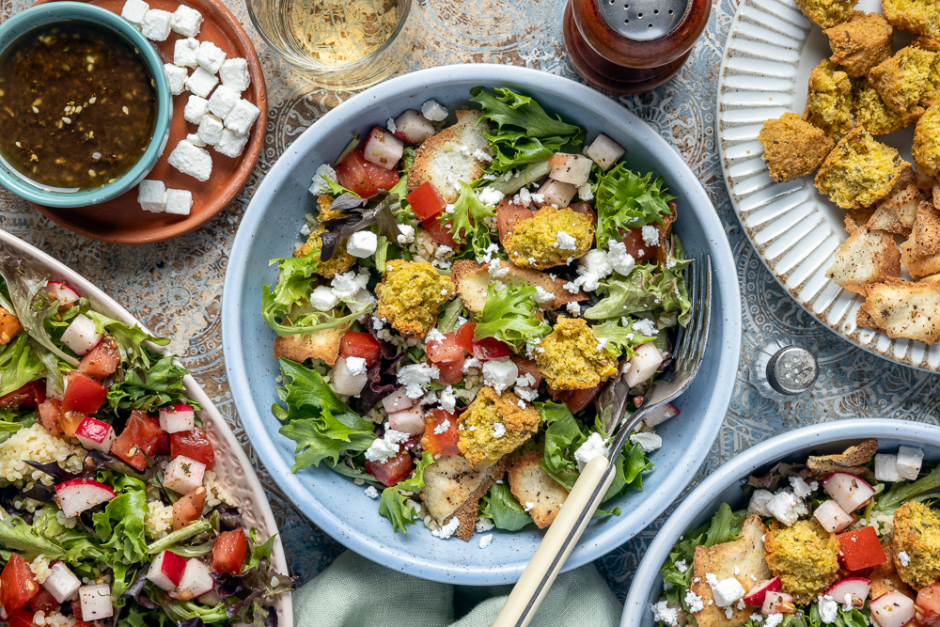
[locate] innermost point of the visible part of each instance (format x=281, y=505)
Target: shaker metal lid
x=643, y=20
x=792, y=370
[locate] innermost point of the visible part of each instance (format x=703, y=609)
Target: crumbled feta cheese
x=472, y=363
x=786, y=508
x=362, y=244
x=645, y=327
x=886, y=468
x=593, y=447
x=489, y=196
x=773, y=620
x=663, y=613
x=571, y=287
x=488, y=254
x=529, y=505
x=355, y=366
x=447, y=530
x=391, y=126
x=416, y=377
x=372, y=493
x=585, y=192
x=486, y=540
x=483, y=525
x=904, y=558
x=318, y=185
x=618, y=258
x=759, y=501
x=848, y=602
x=434, y=337
x=500, y=374
x=387, y=446
x=726, y=591
x=565, y=241
x=574, y=309
x=649, y=441
x=694, y=602
x=650, y=235
x=499, y=430
x=828, y=609
x=592, y=269
x=377, y=323
x=496, y=269
x=480, y=155
x=802, y=489
x=910, y=460
x=450, y=208
x=682, y=566
x=433, y=111
x=346, y=285
x=543, y=297
x=448, y=399
x=407, y=234
x=443, y=427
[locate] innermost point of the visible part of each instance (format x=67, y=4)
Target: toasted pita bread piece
x=898, y=213
x=863, y=320
x=908, y=310
x=531, y=485
x=742, y=559
x=866, y=257
x=855, y=219
x=323, y=344
x=936, y=195
x=446, y=158
x=885, y=578
x=852, y=460
x=472, y=280
x=452, y=487
x=927, y=229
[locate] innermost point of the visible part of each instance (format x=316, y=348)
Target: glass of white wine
x=341, y=44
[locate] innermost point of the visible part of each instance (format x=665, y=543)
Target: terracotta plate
x=121, y=220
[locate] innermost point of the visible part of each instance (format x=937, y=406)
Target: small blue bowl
x=64, y=12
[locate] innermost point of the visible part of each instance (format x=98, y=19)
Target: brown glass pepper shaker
x=625, y=47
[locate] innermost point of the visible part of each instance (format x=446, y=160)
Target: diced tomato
x=440, y=443
x=440, y=231
x=189, y=508
x=102, y=361
x=359, y=344
x=633, y=241
x=528, y=366
x=69, y=421
x=860, y=549
x=43, y=601
x=451, y=372
x=425, y=201
x=23, y=618
x=49, y=411
x=77, y=611
x=391, y=471
x=576, y=400
x=163, y=448
x=27, y=397
x=230, y=552
x=489, y=348
x=465, y=336
x=363, y=177
x=928, y=605
x=447, y=349
x=83, y=394
x=139, y=440
x=194, y=445
x=17, y=584
x=507, y=215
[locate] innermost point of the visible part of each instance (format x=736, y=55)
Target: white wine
x=339, y=32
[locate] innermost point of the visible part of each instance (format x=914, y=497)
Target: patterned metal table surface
x=175, y=287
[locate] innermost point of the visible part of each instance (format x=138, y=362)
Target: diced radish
x=61, y=583
x=345, y=383
x=53, y=395
x=661, y=415
x=413, y=127
x=62, y=293
x=643, y=365
x=76, y=495
x=892, y=609
x=604, y=151
x=832, y=517
x=383, y=149
x=572, y=169
x=410, y=420
x=556, y=193
x=166, y=570
x=777, y=603
x=398, y=401
x=96, y=602
x=848, y=491
x=927, y=610
x=851, y=590
x=95, y=435
x=183, y=474
x=758, y=592
x=176, y=418
x=80, y=336
x=196, y=580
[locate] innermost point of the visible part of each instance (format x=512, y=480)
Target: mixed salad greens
x=845, y=540
x=110, y=512
x=449, y=270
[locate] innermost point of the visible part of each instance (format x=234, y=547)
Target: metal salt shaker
x=782, y=369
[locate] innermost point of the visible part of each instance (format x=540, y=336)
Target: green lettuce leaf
x=509, y=316
x=129, y=339
x=125, y=535
x=925, y=488
x=393, y=506
x=294, y=284
x=620, y=339
x=16, y=535
x=624, y=199
x=468, y=222
x=335, y=188
x=500, y=506
x=562, y=436
x=305, y=322
x=148, y=390
x=19, y=365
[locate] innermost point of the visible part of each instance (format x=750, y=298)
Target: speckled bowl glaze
x=231, y=464
x=57, y=12
x=724, y=486
x=270, y=229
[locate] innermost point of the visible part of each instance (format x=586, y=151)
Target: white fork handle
x=556, y=546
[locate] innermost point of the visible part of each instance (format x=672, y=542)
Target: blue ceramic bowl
x=724, y=486
x=270, y=229
x=60, y=12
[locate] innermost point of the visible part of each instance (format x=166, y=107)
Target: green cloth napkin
x=355, y=592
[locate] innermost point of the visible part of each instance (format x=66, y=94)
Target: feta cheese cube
x=234, y=74
x=759, y=501
x=193, y=139
x=176, y=77
x=210, y=129
x=222, y=102
x=323, y=298
x=786, y=508
x=500, y=374
x=134, y=11
x=434, y=111
x=191, y=160
x=231, y=145
x=242, y=116
x=886, y=467
x=210, y=57
x=179, y=201
x=202, y=82
x=184, y=52
x=726, y=591
x=407, y=234
x=910, y=460
x=156, y=25
x=186, y=21
x=195, y=108
x=152, y=196
x=362, y=244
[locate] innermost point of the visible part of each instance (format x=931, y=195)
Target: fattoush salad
x=849, y=540
x=469, y=282
x=110, y=511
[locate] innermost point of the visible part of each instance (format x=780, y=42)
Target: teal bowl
x=64, y=12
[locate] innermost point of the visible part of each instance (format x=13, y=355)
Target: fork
x=597, y=475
